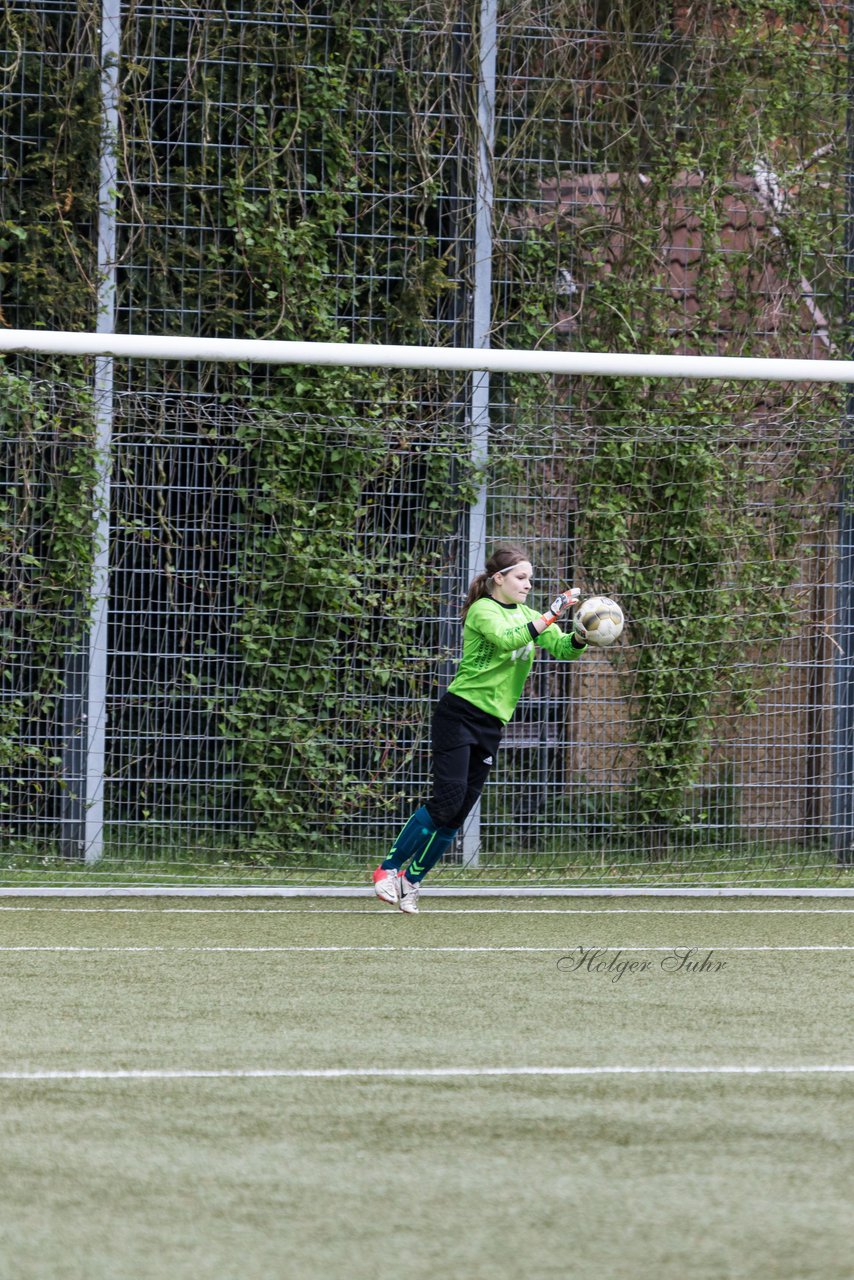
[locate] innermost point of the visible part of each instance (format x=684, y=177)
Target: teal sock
x=430, y=855
x=412, y=840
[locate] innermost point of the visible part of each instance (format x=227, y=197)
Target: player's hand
x=564, y=601
x=579, y=628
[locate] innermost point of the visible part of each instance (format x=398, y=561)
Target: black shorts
x=465, y=744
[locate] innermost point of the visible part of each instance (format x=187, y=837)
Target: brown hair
x=502, y=559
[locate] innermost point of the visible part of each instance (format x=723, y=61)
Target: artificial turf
x=516, y=1177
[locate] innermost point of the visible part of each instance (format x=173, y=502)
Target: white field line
x=433, y=892
x=591, y=947
x=423, y=1073
x=377, y=913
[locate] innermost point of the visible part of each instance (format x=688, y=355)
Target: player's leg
x=451, y=745
x=415, y=837
x=427, y=834
x=410, y=881
x=459, y=779
x=478, y=772
x=428, y=824
x=426, y=858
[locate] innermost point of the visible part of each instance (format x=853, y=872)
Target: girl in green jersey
x=500, y=637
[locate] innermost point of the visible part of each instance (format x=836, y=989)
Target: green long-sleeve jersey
x=498, y=653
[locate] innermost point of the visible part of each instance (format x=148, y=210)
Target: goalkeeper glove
x=560, y=604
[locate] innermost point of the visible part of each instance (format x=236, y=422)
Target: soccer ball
x=602, y=620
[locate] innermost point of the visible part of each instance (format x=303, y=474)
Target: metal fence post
x=842, y=817
x=481, y=322
x=106, y=323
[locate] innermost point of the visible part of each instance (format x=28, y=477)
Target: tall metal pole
x=843, y=725
x=106, y=323
x=482, y=320
x=453, y=245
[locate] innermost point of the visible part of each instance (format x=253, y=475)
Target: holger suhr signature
x=616, y=964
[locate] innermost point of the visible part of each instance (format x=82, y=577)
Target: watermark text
x=619, y=964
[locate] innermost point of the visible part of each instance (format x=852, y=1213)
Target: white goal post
x=105, y=348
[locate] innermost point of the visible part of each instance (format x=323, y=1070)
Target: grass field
x=227, y=1089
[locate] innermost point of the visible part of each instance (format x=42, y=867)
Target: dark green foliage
x=50, y=105
x=336, y=586
x=696, y=505
x=311, y=177
x=47, y=526
x=680, y=526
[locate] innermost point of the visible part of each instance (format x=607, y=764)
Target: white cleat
x=409, y=895
x=387, y=885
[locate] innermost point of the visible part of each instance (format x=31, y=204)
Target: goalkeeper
x=500, y=635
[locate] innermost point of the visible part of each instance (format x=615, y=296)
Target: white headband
x=506, y=569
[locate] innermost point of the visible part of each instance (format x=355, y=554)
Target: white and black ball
x=601, y=620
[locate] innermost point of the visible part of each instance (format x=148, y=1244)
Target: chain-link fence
x=288, y=548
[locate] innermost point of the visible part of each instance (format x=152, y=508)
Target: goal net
x=231, y=596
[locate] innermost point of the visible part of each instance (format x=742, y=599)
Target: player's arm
x=563, y=644
x=491, y=622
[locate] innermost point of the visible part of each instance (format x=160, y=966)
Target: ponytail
x=477, y=590
x=502, y=559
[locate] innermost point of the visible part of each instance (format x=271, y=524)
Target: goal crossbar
x=459, y=359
